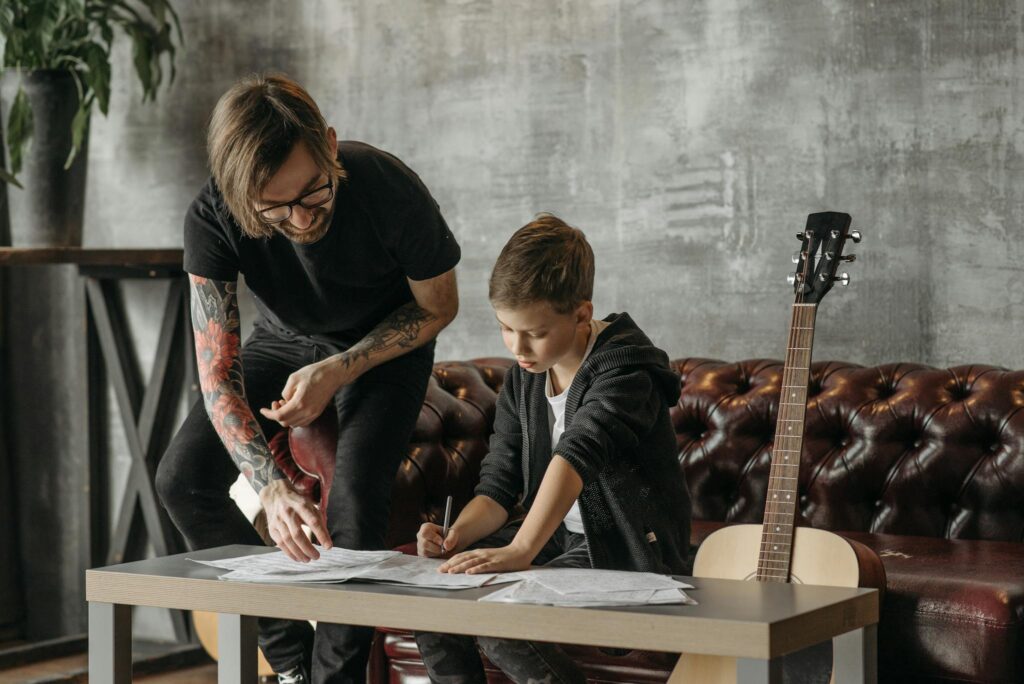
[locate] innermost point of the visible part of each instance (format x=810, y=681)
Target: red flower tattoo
x=216, y=349
x=230, y=419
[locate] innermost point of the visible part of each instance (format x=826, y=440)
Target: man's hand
x=511, y=558
x=430, y=544
x=287, y=511
x=307, y=393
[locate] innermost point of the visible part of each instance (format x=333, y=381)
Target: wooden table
x=755, y=622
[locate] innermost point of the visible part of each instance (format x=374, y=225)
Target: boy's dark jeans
x=454, y=659
x=376, y=416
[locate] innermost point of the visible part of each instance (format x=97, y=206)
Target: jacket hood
x=624, y=344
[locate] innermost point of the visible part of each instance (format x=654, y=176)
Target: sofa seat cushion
x=954, y=608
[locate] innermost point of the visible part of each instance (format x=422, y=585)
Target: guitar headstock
x=819, y=257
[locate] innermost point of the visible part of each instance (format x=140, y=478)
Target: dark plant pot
x=49, y=211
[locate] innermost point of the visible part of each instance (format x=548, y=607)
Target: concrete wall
x=688, y=139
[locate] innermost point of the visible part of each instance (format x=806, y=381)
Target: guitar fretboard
x=780, y=509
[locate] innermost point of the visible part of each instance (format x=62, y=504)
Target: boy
x=582, y=440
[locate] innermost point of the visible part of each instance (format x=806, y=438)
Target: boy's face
x=538, y=336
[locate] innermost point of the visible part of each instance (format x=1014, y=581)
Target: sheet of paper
x=421, y=572
x=532, y=592
x=278, y=563
x=343, y=565
x=586, y=580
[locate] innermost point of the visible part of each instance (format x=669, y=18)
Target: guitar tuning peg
x=855, y=236
x=843, y=279
x=833, y=233
x=849, y=257
x=800, y=236
x=796, y=257
x=791, y=278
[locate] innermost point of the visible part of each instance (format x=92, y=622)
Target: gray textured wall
x=688, y=139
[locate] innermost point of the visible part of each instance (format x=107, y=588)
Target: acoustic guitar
x=777, y=550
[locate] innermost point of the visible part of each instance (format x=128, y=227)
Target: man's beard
x=314, y=233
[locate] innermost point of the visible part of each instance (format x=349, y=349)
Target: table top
x=89, y=256
x=734, y=618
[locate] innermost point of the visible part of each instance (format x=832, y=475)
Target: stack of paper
x=334, y=565
x=342, y=565
x=554, y=586
x=586, y=587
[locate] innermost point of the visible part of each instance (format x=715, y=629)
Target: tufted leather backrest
x=899, y=448
x=447, y=445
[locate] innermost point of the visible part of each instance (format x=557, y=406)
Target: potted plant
x=56, y=59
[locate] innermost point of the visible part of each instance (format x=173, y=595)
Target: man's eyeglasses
x=311, y=200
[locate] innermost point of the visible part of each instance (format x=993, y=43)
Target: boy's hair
x=253, y=129
x=546, y=260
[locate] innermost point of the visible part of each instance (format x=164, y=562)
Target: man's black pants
x=376, y=417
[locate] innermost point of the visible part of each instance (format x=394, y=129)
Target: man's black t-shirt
x=386, y=227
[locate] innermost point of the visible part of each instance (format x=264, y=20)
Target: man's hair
x=253, y=129
x=546, y=260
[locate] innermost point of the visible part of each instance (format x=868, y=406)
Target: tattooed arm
x=216, y=324
x=308, y=390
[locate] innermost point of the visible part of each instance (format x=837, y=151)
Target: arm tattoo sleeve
x=215, y=319
x=405, y=328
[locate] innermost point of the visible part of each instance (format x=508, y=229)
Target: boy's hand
x=430, y=544
x=509, y=558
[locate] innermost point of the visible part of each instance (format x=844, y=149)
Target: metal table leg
x=754, y=671
x=855, y=655
x=110, y=643
x=236, y=645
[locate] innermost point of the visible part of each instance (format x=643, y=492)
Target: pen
x=447, y=520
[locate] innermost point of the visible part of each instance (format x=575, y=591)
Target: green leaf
x=79, y=127
x=98, y=75
x=143, y=56
x=19, y=129
x=10, y=179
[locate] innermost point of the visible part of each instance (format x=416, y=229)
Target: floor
x=70, y=670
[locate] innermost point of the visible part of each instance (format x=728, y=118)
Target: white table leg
x=236, y=646
x=855, y=656
x=110, y=643
x=755, y=671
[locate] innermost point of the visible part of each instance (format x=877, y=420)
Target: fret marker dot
x=776, y=548
x=787, y=496
x=790, y=428
x=777, y=529
x=775, y=496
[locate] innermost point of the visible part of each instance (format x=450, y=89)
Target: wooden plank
x=28, y=256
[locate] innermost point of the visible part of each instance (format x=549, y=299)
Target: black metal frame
x=147, y=413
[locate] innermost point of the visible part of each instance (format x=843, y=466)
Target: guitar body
x=818, y=557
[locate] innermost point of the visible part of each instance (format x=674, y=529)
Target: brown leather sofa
x=923, y=465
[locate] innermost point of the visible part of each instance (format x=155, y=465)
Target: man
x=351, y=265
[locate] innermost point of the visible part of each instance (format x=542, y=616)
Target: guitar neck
x=773, y=561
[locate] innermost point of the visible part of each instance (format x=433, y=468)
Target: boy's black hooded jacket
x=618, y=437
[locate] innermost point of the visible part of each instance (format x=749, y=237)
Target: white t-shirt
x=556, y=418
